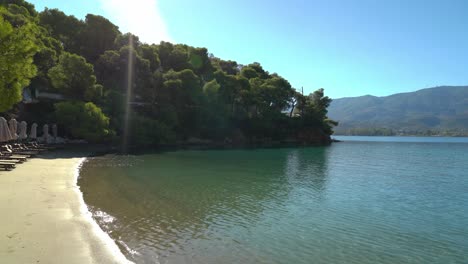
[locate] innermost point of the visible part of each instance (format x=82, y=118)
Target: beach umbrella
x=4, y=130
x=45, y=133
x=23, y=127
x=33, y=134
x=54, y=131
x=13, y=124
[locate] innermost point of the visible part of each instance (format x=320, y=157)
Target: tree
x=229, y=67
x=296, y=103
x=150, y=53
x=97, y=36
x=173, y=57
x=17, y=49
x=277, y=92
x=215, y=112
x=254, y=70
x=46, y=58
x=315, y=112
x=271, y=95
x=231, y=88
x=318, y=103
x=74, y=77
x=112, y=71
x=200, y=62
x=28, y=6
x=249, y=72
x=211, y=89
x=127, y=39
x=83, y=121
x=184, y=91
x=64, y=28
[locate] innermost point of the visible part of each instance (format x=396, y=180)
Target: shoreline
x=429, y=136
x=105, y=237
x=45, y=217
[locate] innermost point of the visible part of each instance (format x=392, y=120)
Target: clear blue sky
x=348, y=47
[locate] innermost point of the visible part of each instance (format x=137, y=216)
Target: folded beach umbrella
x=45, y=133
x=23, y=127
x=13, y=124
x=4, y=130
x=33, y=134
x=54, y=131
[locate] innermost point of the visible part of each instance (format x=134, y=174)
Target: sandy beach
x=44, y=218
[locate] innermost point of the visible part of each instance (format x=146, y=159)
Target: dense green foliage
x=18, y=45
x=83, y=120
x=74, y=77
x=152, y=93
x=433, y=111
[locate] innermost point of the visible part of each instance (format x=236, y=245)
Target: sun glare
x=140, y=17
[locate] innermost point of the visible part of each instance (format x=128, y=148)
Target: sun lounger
x=35, y=145
x=24, y=153
x=10, y=160
x=23, y=148
x=16, y=157
x=7, y=165
x=6, y=150
x=9, y=157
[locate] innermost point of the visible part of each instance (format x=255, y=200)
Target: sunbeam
x=130, y=69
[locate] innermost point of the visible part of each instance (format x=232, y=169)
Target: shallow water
x=353, y=202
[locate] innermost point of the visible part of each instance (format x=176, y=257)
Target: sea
x=362, y=200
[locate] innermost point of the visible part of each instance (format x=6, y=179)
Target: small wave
x=130, y=251
x=104, y=217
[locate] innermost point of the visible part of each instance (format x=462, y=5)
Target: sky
x=349, y=47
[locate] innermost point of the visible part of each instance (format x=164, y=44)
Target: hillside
x=442, y=110
x=105, y=86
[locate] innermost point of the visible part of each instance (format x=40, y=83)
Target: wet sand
x=44, y=218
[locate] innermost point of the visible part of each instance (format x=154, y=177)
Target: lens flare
x=128, y=96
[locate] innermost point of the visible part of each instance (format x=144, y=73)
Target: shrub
x=83, y=120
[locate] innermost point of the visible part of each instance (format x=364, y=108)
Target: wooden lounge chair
x=21, y=151
x=7, y=165
x=35, y=145
x=24, y=147
x=12, y=157
x=10, y=160
x=6, y=150
x=7, y=156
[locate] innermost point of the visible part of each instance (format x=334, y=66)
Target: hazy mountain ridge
x=437, y=109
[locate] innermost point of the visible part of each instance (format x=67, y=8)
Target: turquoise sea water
x=364, y=200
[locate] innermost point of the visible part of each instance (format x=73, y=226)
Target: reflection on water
x=350, y=203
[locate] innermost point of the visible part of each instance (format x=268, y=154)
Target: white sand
x=44, y=218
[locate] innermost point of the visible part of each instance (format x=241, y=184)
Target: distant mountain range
x=433, y=111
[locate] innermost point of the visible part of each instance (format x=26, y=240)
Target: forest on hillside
x=102, y=85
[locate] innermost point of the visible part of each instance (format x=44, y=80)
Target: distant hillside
x=436, y=110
